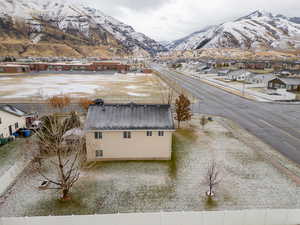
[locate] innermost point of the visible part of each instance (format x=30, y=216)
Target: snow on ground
x=137, y=94
x=42, y=86
x=248, y=181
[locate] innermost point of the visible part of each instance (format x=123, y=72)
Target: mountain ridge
x=259, y=29
x=69, y=23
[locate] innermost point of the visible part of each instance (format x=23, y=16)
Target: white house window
x=149, y=133
x=0, y=120
x=161, y=133
x=16, y=125
x=98, y=135
x=127, y=134
x=99, y=153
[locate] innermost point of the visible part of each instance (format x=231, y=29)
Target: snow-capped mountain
x=72, y=17
x=259, y=29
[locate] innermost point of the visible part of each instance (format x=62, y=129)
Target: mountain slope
x=68, y=23
x=256, y=30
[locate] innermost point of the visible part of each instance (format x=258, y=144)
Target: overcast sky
x=165, y=20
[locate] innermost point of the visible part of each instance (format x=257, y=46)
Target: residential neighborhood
x=122, y=113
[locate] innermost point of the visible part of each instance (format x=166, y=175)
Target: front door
x=10, y=130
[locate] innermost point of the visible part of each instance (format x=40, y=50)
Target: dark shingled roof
x=129, y=117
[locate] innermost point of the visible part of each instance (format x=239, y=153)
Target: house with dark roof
x=290, y=84
x=129, y=132
x=259, y=78
x=11, y=119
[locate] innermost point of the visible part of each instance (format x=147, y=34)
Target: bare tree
x=183, y=110
x=67, y=156
x=212, y=178
x=203, y=121
x=170, y=96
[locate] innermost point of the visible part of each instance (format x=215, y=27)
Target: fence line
x=240, y=217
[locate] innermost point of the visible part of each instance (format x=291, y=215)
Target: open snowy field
x=247, y=181
x=114, y=87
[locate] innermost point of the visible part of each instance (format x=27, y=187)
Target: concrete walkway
x=18, y=165
x=10, y=176
x=239, y=217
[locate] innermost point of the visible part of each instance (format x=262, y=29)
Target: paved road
x=276, y=124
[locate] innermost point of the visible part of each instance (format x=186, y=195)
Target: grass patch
x=54, y=206
x=210, y=203
x=189, y=134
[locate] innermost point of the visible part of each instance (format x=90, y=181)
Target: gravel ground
x=247, y=181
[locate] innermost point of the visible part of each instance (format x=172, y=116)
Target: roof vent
x=99, y=102
x=132, y=104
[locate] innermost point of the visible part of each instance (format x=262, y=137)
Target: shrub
x=59, y=102
x=85, y=103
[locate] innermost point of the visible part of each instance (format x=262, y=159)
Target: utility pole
x=244, y=84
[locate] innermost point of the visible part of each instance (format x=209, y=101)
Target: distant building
x=11, y=119
x=259, y=78
x=290, y=84
x=238, y=75
x=129, y=132
x=94, y=66
x=223, y=73
x=14, y=68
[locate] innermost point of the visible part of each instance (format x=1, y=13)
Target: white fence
x=243, y=217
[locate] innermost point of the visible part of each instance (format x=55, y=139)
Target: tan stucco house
x=11, y=119
x=129, y=132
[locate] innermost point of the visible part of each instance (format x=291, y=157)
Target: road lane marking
x=279, y=129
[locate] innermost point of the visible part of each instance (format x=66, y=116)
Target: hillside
x=51, y=28
x=258, y=30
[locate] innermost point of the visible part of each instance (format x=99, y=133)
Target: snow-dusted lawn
x=10, y=154
x=248, y=181
x=135, y=87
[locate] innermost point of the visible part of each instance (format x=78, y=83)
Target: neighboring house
x=129, y=132
x=223, y=73
x=11, y=119
x=259, y=78
x=238, y=75
x=290, y=84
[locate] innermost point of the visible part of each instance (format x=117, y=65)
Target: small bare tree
x=67, y=156
x=203, y=121
x=183, y=110
x=212, y=178
x=170, y=96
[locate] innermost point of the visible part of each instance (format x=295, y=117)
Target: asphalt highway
x=277, y=124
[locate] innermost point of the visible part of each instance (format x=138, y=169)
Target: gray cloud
x=172, y=19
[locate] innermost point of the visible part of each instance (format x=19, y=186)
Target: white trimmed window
x=149, y=133
x=99, y=153
x=127, y=134
x=98, y=135
x=161, y=133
